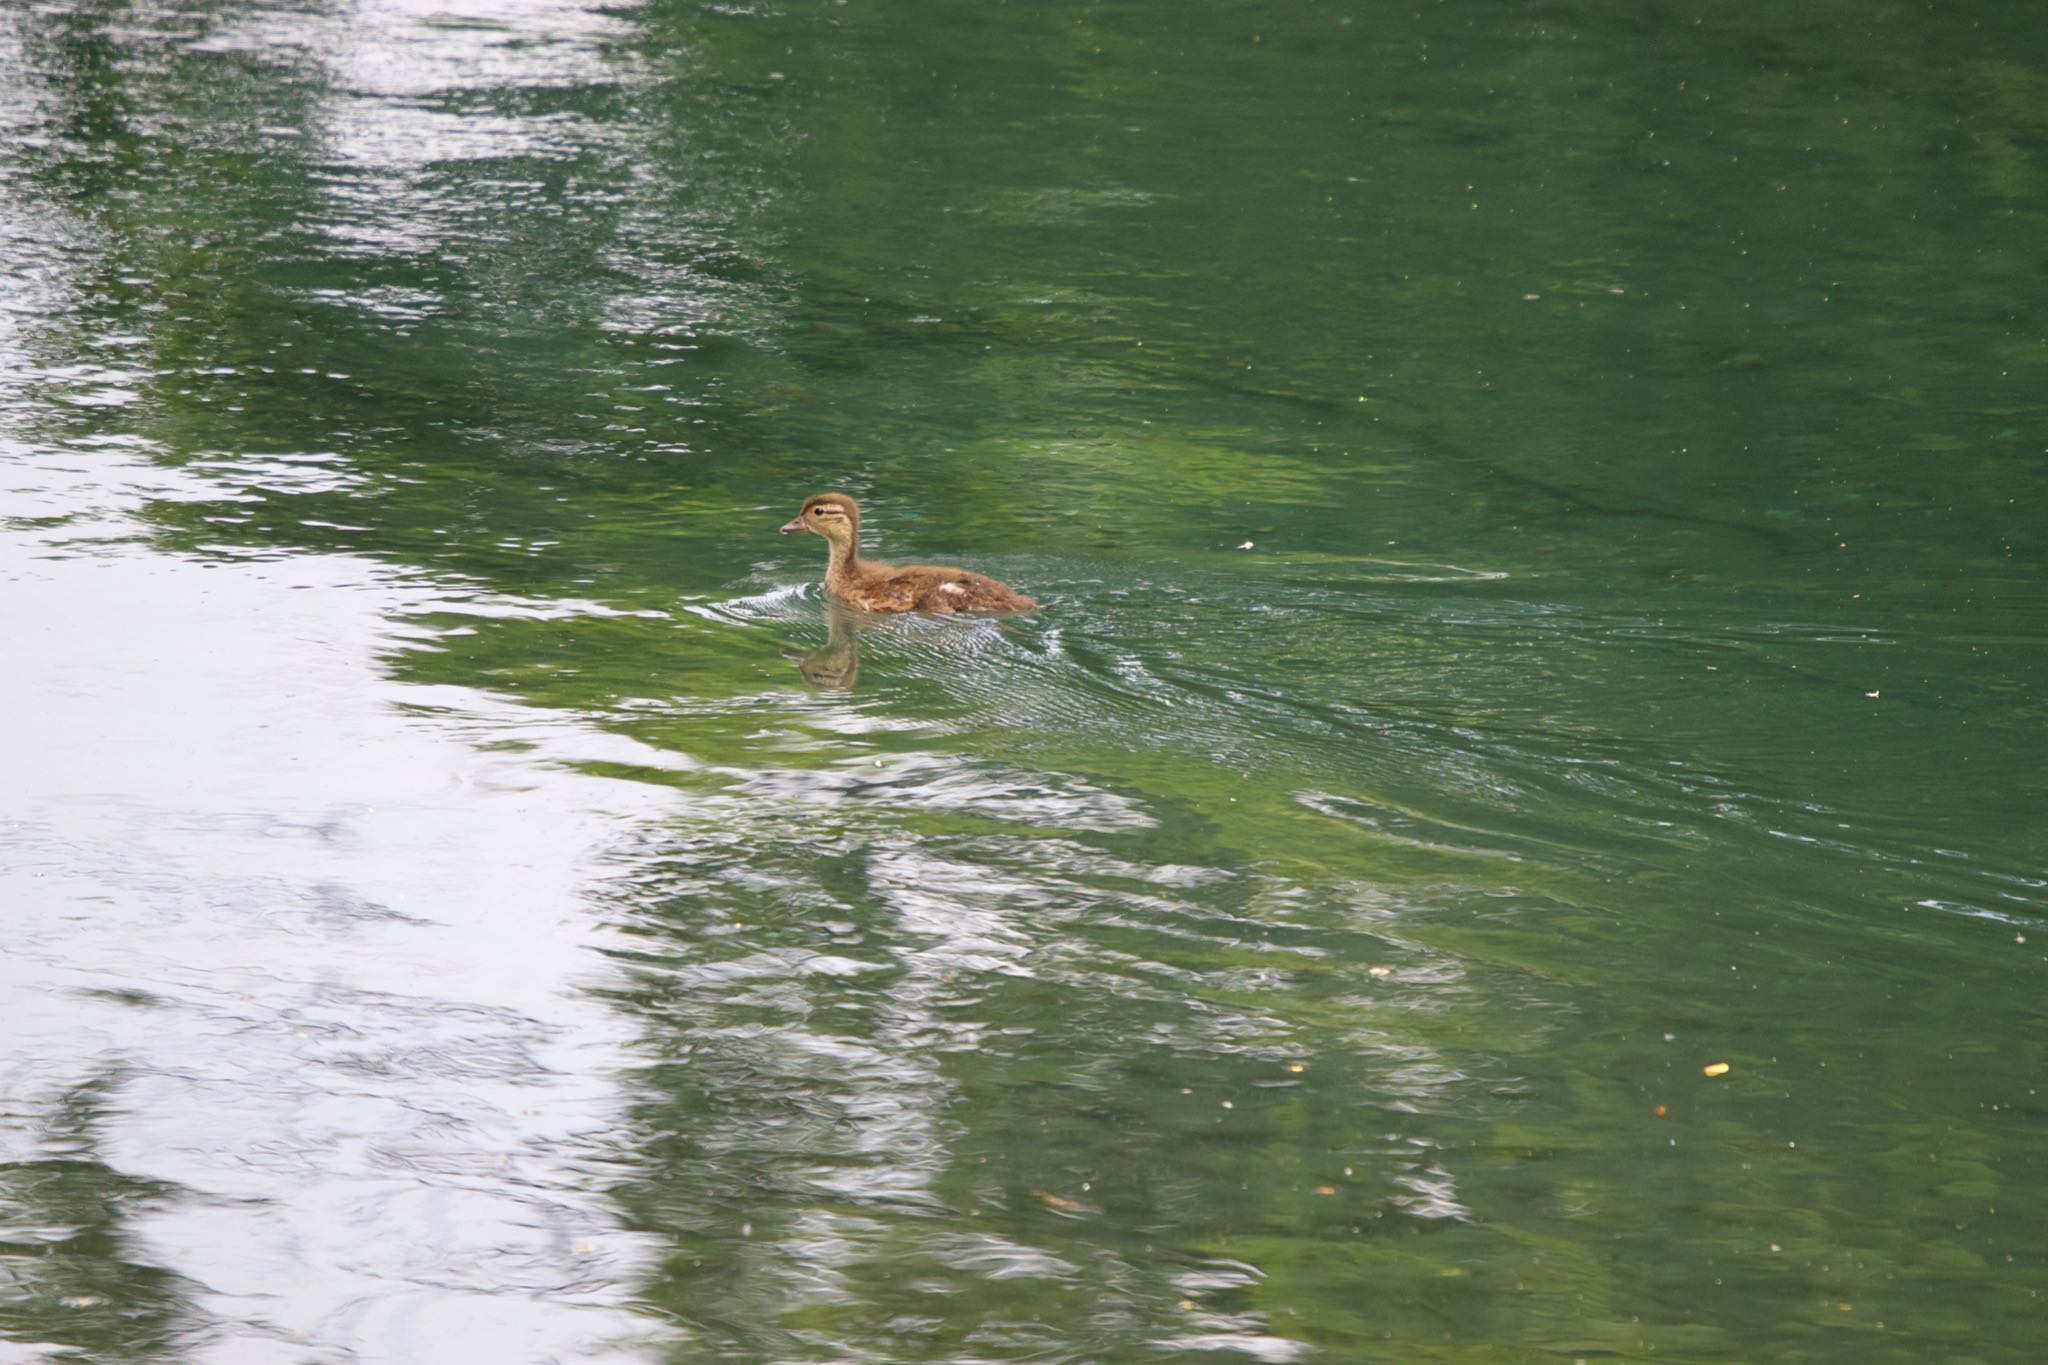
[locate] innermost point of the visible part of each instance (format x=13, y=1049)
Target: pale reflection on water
x=312, y=970
x=830, y=992
x=290, y=959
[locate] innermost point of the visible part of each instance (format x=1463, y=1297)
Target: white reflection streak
x=328, y=954
x=417, y=49
x=407, y=82
x=312, y=963
x=401, y=68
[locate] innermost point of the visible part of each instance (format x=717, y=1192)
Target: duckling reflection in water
x=874, y=586
x=950, y=645
x=834, y=665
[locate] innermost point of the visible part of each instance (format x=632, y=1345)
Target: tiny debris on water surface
x=1715, y=1068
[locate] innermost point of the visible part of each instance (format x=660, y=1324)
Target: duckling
x=873, y=586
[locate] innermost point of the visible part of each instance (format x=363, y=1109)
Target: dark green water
x=1540, y=516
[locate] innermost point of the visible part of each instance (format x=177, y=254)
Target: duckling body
x=874, y=586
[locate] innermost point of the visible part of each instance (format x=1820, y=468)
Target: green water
x=1539, y=517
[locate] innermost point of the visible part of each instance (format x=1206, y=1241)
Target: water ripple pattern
x=1514, y=835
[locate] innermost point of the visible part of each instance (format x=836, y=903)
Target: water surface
x=1538, y=511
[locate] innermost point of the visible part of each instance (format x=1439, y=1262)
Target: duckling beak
x=793, y=524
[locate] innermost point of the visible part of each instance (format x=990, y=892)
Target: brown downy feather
x=874, y=586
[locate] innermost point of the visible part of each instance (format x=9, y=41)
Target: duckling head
x=832, y=515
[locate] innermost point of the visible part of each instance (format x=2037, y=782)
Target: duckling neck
x=844, y=567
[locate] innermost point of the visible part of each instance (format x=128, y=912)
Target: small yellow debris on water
x=1053, y=1201
x=1379, y=971
x=1295, y=1067
x=1187, y=1305
x=1326, y=1189
x=1660, y=1111
x=1715, y=1068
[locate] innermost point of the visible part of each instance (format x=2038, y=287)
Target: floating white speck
x=1246, y=546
